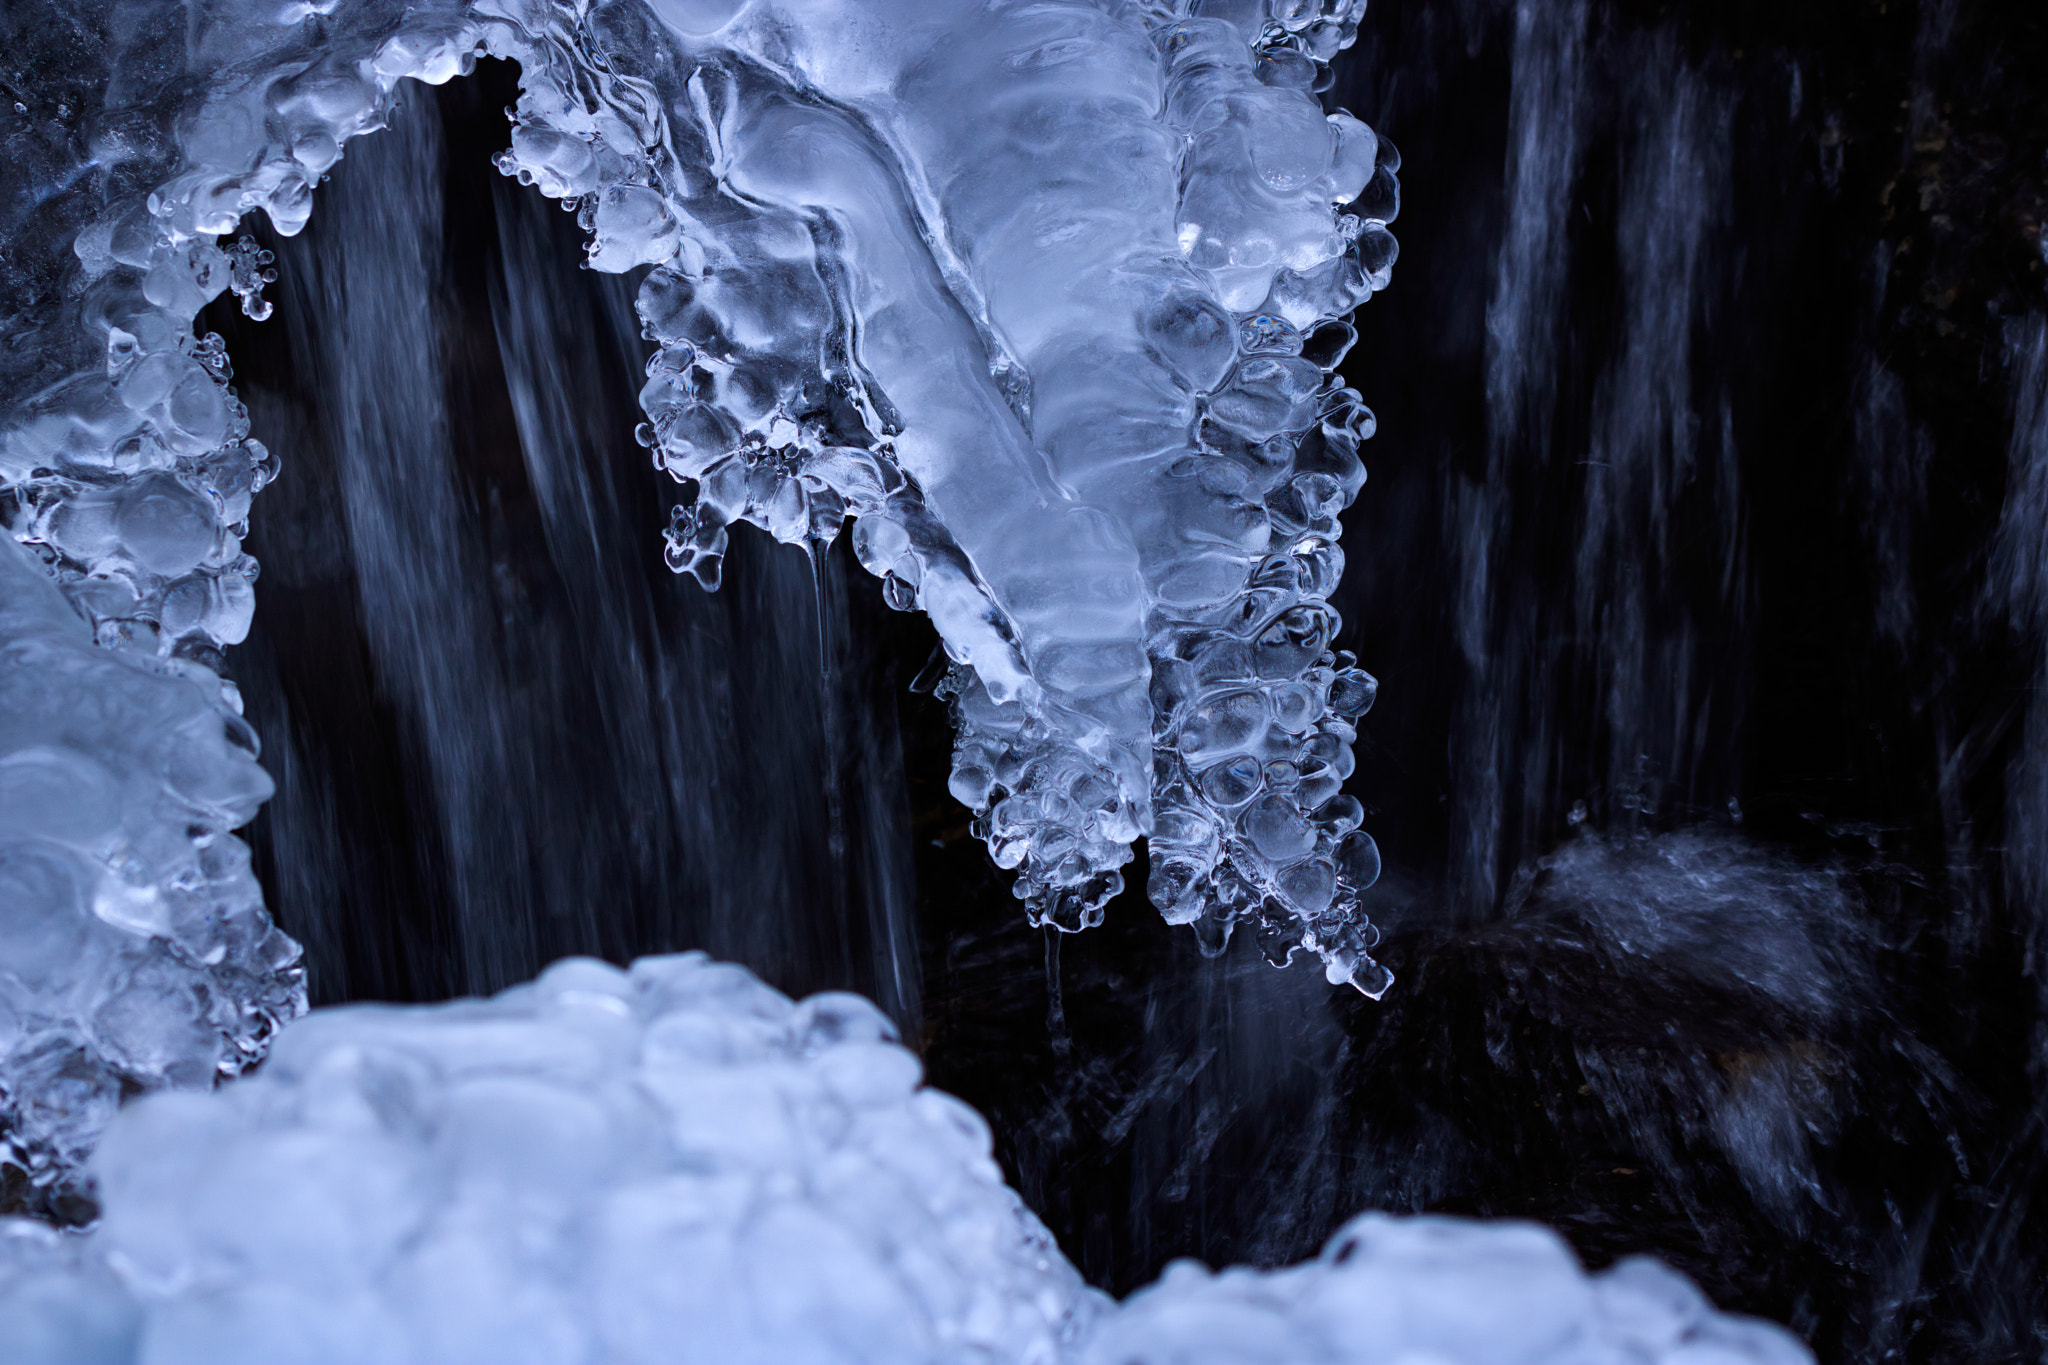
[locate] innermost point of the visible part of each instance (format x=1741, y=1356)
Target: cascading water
x=1654, y=487
x=2018, y=592
x=488, y=570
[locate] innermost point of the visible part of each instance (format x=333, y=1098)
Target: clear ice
x=134, y=949
x=1045, y=297
x=675, y=1164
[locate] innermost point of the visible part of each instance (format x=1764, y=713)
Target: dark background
x=1681, y=590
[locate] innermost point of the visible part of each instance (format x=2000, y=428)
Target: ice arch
x=1065, y=362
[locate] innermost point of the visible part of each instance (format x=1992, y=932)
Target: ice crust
x=1045, y=296
x=134, y=948
x=677, y=1164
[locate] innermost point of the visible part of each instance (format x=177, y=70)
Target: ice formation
x=134, y=949
x=1045, y=296
x=1404, y=1291
x=677, y=1164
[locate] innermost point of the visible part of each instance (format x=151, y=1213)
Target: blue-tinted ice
x=676, y=1165
x=134, y=948
x=1044, y=297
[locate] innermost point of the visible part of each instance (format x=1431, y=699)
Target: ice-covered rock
x=1046, y=297
x=60, y=1303
x=134, y=949
x=1434, y=1291
x=669, y=1164
x=677, y=1164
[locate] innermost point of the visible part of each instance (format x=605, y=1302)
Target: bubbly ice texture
x=1045, y=296
x=672, y=1164
x=676, y=1164
x=134, y=949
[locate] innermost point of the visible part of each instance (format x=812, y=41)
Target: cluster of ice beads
x=1065, y=363
x=1068, y=363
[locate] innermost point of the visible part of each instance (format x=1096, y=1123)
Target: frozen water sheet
x=677, y=1164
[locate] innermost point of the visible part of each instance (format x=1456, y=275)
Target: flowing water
x=501, y=729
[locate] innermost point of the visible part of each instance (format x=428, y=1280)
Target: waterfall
x=1703, y=798
x=1617, y=497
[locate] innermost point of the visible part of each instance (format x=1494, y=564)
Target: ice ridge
x=675, y=1164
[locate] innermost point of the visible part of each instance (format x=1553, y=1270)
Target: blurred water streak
x=589, y=756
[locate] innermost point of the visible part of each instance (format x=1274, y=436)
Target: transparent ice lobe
x=134, y=950
x=676, y=1164
x=1048, y=296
